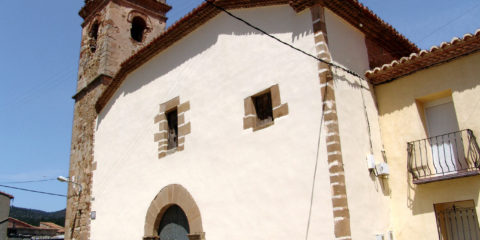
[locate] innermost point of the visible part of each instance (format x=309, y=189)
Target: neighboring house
x=211, y=129
x=21, y=230
x=429, y=108
x=4, y=212
x=60, y=229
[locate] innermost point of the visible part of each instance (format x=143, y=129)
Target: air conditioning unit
x=370, y=162
x=382, y=169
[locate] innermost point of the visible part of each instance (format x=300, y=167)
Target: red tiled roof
x=50, y=225
x=351, y=10
x=6, y=194
x=426, y=58
x=15, y=223
x=18, y=223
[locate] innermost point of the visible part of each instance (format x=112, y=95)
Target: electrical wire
x=316, y=162
x=34, y=191
x=280, y=41
x=29, y=181
x=323, y=100
x=369, y=130
x=450, y=22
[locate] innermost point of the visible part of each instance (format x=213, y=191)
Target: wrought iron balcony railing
x=447, y=156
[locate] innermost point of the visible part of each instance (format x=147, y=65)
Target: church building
x=245, y=119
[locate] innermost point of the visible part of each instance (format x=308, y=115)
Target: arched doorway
x=173, y=215
x=174, y=224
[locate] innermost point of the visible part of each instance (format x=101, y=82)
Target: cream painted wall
x=368, y=196
x=400, y=120
x=248, y=185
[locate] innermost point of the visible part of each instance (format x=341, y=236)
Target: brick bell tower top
x=112, y=31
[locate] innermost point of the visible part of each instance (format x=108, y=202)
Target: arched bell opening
x=138, y=29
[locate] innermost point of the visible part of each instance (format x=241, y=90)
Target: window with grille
x=172, y=120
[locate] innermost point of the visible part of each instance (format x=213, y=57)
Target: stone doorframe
x=173, y=194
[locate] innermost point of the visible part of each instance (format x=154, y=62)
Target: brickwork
x=341, y=213
x=377, y=56
x=184, y=128
x=114, y=43
x=77, y=219
x=100, y=58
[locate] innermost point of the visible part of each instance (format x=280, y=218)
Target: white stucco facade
x=247, y=184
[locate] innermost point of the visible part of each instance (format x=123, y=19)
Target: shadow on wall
x=341, y=75
x=207, y=36
x=356, y=83
x=382, y=183
x=422, y=197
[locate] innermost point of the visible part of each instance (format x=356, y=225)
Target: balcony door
x=444, y=138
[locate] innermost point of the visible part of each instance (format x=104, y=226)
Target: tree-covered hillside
x=34, y=217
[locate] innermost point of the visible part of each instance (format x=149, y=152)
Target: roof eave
x=469, y=44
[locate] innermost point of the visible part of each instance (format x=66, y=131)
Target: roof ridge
x=22, y=222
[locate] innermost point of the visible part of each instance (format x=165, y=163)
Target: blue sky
x=39, y=46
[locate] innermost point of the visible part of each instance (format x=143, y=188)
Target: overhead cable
x=29, y=181
x=34, y=191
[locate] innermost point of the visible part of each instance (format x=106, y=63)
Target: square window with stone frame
x=262, y=108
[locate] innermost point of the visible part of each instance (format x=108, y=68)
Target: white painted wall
x=367, y=195
x=248, y=185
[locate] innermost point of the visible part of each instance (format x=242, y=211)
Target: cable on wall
x=316, y=162
x=330, y=64
x=308, y=54
x=280, y=41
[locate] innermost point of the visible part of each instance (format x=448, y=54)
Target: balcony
x=447, y=156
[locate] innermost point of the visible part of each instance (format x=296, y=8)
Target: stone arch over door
x=170, y=195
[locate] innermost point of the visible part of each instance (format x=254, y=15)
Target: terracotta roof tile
x=19, y=224
x=426, y=58
x=51, y=225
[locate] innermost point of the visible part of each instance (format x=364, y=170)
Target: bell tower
x=112, y=31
